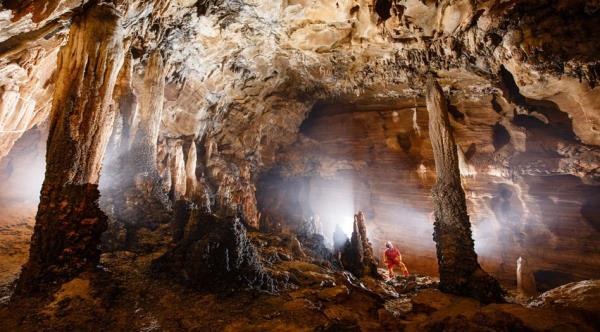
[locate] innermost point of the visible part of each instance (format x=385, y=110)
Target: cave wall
x=375, y=155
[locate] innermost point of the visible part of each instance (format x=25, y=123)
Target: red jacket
x=392, y=256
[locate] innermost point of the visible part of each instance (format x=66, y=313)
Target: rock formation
x=525, y=278
x=136, y=195
x=460, y=272
x=69, y=222
x=357, y=253
x=214, y=253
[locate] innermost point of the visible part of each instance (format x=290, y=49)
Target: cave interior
x=247, y=165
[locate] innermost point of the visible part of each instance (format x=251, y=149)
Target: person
x=392, y=258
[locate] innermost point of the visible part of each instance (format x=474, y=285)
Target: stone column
x=460, y=272
x=125, y=108
x=151, y=99
x=69, y=222
x=136, y=194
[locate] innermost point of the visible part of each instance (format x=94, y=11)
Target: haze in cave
x=299, y=165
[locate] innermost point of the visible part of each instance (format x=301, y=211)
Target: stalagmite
x=525, y=278
x=213, y=253
x=369, y=258
x=460, y=272
x=69, y=222
x=357, y=253
x=166, y=178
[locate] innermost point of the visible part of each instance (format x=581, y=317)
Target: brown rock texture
x=357, y=253
x=69, y=222
x=215, y=254
x=460, y=272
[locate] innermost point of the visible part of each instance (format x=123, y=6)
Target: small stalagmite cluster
x=356, y=254
x=241, y=165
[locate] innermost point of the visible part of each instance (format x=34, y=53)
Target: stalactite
x=151, y=99
x=69, y=222
x=137, y=195
x=190, y=170
x=178, y=174
x=460, y=272
x=126, y=101
x=125, y=104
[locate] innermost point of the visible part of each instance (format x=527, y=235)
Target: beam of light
x=333, y=200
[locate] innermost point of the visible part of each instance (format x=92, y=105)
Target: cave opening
x=349, y=158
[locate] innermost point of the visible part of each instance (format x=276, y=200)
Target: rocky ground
x=313, y=296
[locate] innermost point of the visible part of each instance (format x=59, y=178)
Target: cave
x=294, y=165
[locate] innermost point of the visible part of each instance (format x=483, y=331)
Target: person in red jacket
x=393, y=258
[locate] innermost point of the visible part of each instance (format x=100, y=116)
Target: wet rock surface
x=579, y=297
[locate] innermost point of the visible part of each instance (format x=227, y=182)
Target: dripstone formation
x=214, y=253
x=69, y=222
x=357, y=253
x=460, y=272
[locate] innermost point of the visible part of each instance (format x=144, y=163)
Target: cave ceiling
x=255, y=68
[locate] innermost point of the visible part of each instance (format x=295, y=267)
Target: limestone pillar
x=69, y=222
x=178, y=174
x=126, y=102
x=525, y=278
x=125, y=108
x=460, y=272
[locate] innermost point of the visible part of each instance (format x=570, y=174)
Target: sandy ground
x=16, y=227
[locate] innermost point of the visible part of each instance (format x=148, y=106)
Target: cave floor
x=16, y=227
x=123, y=296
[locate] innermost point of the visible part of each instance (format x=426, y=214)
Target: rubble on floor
x=313, y=295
